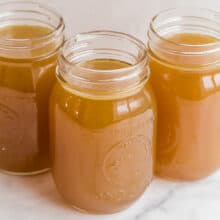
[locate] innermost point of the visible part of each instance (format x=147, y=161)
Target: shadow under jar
x=184, y=50
x=102, y=118
x=30, y=37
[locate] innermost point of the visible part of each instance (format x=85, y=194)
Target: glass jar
x=30, y=37
x=102, y=118
x=184, y=50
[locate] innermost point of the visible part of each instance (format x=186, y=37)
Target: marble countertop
x=35, y=198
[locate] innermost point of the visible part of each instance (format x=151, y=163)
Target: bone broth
x=28, y=56
x=102, y=135
x=185, y=78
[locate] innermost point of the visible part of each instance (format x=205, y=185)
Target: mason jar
x=30, y=38
x=184, y=50
x=102, y=122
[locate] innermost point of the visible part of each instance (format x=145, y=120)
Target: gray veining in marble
x=35, y=198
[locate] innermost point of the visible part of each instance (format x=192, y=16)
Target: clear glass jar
x=102, y=118
x=184, y=50
x=30, y=37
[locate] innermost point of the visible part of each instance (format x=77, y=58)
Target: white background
x=131, y=16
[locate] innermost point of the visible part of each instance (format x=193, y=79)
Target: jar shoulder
x=99, y=113
x=194, y=84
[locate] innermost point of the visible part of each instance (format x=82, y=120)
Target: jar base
x=92, y=212
x=182, y=179
x=31, y=173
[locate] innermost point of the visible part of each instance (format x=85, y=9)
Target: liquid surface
x=25, y=85
x=104, y=64
x=102, y=149
x=23, y=32
x=188, y=144
x=192, y=39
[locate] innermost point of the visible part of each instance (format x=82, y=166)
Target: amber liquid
x=102, y=149
x=25, y=85
x=188, y=98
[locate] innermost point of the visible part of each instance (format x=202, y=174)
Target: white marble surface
x=35, y=198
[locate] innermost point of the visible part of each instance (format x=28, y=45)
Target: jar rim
x=103, y=44
x=56, y=30
x=186, y=20
x=96, y=33
x=214, y=13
